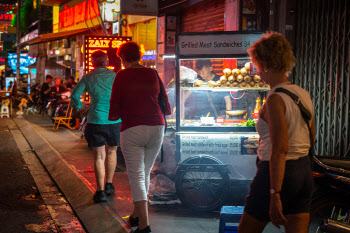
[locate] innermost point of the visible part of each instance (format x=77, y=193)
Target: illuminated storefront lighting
x=168, y=56
x=107, y=44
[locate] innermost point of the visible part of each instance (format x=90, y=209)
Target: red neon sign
x=78, y=13
x=6, y=17
x=107, y=44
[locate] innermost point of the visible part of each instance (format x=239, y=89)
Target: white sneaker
x=19, y=113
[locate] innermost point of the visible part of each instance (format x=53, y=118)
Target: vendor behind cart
x=205, y=71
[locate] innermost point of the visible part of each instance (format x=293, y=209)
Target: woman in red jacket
x=135, y=100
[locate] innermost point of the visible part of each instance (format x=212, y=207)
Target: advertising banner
x=215, y=44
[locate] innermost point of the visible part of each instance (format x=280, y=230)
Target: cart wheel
x=202, y=187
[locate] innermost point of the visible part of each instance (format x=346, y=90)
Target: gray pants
x=140, y=146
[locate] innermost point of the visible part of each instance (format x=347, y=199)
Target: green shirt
x=98, y=83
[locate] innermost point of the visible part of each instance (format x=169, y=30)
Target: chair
x=63, y=120
x=229, y=218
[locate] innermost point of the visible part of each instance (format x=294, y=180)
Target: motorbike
x=330, y=206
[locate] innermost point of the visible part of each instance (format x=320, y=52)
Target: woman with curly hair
x=282, y=188
x=136, y=94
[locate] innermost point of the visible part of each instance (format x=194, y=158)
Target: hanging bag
x=162, y=106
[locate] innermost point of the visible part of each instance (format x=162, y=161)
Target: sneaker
x=109, y=189
x=100, y=196
x=144, y=230
x=19, y=113
x=134, y=222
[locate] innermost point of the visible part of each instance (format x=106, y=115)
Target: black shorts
x=296, y=191
x=99, y=135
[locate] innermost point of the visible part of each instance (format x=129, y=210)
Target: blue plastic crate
x=229, y=218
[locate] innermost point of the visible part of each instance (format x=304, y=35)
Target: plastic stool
x=231, y=215
x=5, y=111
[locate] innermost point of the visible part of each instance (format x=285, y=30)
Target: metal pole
x=18, y=39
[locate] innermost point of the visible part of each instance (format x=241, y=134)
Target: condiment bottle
x=256, y=109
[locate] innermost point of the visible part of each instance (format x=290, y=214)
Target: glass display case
x=224, y=99
x=218, y=97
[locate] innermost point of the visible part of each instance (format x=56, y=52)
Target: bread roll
x=231, y=78
x=228, y=84
x=211, y=84
x=235, y=84
x=257, y=78
x=247, y=66
x=252, y=84
x=239, y=78
x=198, y=83
x=247, y=78
x=227, y=72
x=261, y=84
x=236, y=72
x=235, y=112
x=243, y=72
x=243, y=84
x=219, y=84
x=223, y=79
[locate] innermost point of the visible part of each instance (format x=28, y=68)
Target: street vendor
x=205, y=71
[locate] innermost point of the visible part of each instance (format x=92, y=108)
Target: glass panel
x=219, y=92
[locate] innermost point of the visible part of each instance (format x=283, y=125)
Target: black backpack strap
x=307, y=116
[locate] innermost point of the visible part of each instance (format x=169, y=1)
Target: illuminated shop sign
x=107, y=44
x=149, y=55
x=6, y=17
x=79, y=13
x=139, y=7
x=30, y=36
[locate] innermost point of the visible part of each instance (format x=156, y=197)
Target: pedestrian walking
x=282, y=188
x=139, y=98
x=101, y=134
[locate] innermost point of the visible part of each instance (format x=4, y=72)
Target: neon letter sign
x=78, y=13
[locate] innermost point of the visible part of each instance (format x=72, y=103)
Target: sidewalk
x=70, y=163
x=30, y=200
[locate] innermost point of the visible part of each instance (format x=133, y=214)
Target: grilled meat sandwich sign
x=215, y=43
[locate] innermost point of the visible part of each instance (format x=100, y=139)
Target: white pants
x=140, y=146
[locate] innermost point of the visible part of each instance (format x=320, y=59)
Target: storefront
x=140, y=23
x=71, y=21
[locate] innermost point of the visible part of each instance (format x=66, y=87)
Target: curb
x=96, y=218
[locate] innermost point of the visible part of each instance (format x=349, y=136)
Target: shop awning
x=50, y=65
x=57, y=36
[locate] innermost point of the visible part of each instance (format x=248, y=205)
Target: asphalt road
x=22, y=209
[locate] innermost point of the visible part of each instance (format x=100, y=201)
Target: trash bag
x=162, y=191
x=169, y=164
x=161, y=184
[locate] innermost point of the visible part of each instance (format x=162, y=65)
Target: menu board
x=213, y=144
x=227, y=148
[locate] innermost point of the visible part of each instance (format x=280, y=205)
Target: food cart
x=215, y=119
